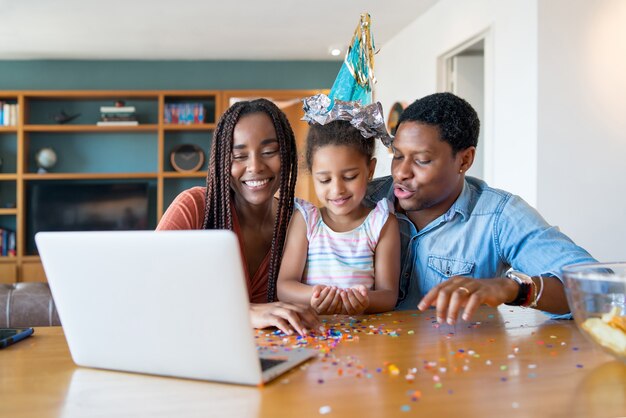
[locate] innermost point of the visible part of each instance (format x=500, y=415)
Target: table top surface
x=505, y=362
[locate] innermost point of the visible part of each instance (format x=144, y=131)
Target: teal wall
x=166, y=75
x=137, y=152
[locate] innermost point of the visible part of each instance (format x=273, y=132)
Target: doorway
x=464, y=75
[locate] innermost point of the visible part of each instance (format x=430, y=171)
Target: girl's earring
x=460, y=171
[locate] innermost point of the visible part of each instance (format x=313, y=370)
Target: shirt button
x=406, y=275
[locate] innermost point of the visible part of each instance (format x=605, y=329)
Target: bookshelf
x=136, y=153
x=90, y=153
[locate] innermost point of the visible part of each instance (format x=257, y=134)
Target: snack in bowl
x=609, y=330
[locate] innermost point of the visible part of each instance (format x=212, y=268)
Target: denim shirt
x=485, y=232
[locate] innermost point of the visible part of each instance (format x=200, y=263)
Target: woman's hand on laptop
x=287, y=317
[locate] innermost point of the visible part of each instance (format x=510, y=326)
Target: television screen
x=85, y=207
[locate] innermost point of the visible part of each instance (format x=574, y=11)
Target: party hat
x=356, y=76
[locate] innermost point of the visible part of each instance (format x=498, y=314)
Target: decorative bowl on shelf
x=187, y=158
x=596, y=293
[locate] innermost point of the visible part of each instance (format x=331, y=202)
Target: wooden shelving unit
x=203, y=127
x=35, y=127
x=31, y=127
x=92, y=128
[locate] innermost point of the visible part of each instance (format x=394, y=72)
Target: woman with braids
x=253, y=156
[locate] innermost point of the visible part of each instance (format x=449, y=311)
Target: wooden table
x=506, y=363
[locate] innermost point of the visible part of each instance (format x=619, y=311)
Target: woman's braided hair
x=217, y=214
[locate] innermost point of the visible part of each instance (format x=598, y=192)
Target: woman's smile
x=256, y=184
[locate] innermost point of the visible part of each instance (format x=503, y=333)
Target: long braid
x=288, y=177
x=218, y=213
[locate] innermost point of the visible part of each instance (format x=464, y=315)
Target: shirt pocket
x=447, y=267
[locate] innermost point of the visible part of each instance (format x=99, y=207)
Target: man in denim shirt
x=459, y=236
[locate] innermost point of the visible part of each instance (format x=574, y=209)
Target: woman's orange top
x=187, y=212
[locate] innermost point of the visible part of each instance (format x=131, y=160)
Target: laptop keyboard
x=268, y=363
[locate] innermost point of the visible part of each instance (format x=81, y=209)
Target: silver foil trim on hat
x=367, y=119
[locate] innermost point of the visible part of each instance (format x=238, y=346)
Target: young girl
x=343, y=257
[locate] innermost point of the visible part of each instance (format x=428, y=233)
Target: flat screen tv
x=85, y=207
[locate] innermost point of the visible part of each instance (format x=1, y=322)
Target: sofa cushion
x=27, y=305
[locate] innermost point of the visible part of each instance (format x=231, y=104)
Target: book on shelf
x=8, y=114
x=7, y=243
x=117, y=109
x=118, y=123
x=119, y=114
x=111, y=118
x=184, y=113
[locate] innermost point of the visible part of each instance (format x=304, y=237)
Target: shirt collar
x=379, y=188
x=462, y=204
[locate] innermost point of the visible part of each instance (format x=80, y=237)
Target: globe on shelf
x=46, y=158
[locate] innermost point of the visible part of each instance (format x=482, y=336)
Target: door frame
x=486, y=125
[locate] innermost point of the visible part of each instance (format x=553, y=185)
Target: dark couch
x=27, y=305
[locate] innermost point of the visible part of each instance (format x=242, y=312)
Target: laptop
x=170, y=303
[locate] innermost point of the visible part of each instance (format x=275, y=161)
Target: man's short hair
x=456, y=119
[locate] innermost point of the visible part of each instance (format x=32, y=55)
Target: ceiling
x=193, y=29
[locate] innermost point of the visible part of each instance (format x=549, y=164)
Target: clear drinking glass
x=596, y=293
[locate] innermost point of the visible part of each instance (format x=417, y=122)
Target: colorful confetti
x=437, y=371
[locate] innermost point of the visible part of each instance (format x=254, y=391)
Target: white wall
x=582, y=122
x=406, y=68
x=555, y=73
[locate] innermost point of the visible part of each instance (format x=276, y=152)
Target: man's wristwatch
x=526, y=286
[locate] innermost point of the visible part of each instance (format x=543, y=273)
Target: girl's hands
x=327, y=300
x=287, y=317
x=355, y=300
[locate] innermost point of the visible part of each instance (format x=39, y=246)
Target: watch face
x=187, y=158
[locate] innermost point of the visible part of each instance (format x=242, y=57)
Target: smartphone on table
x=10, y=336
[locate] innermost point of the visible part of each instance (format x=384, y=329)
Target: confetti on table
x=405, y=408
x=393, y=369
x=448, y=362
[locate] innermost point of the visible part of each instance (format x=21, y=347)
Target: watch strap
x=526, y=285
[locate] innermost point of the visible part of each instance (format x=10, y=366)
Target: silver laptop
x=171, y=303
